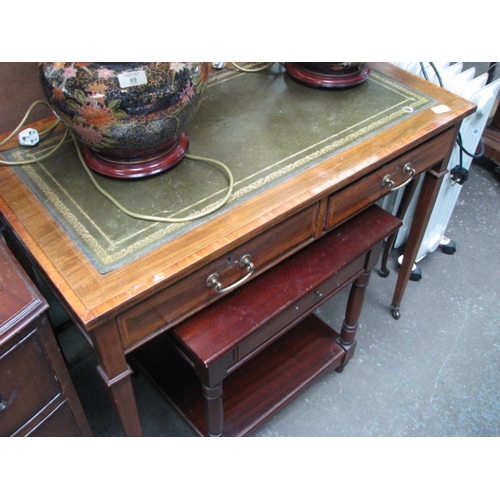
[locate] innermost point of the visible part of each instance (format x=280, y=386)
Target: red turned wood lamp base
x=139, y=168
x=329, y=75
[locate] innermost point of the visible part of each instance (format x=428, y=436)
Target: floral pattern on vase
x=125, y=112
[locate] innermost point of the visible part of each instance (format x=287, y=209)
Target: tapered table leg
x=116, y=373
x=423, y=210
x=408, y=193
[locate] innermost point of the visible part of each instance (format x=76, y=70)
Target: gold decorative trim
x=108, y=252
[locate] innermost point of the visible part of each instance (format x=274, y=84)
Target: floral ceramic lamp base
x=129, y=118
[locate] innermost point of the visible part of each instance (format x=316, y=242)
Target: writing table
x=329, y=162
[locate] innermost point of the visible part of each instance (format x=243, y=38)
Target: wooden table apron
x=121, y=309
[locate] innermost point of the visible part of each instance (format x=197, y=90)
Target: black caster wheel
x=384, y=273
x=416, y=274
x=449, y=247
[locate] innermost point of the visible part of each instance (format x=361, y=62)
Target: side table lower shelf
x=254, y=391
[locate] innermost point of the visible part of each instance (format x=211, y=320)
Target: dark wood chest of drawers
x=37, y=397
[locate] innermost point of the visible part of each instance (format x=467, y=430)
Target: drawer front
x=371, y=188
x=157, y=313
x=302, y=308
x=60, y=423
x=27, y=383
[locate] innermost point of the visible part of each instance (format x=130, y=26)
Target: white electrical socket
x=28, y=137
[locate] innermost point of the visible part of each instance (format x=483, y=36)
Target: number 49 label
x=132, y=78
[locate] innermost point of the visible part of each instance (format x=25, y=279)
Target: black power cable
x=459, y=137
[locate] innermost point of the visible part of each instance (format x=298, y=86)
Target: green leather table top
x=264, y=126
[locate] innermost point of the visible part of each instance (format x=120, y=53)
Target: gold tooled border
x=105, y=255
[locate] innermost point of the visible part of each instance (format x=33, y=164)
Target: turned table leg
x=214, y=410
x=351, y=319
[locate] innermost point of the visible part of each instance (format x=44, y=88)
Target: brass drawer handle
x=387, y=181
x=213, y=279
x=407, y=170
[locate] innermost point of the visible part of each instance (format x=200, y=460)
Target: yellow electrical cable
x=23, y=121
x=155, y=218
x=40, y=158
x=16, y=130
x=254, y=70
x=102, y=190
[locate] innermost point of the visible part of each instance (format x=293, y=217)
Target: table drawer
x=391, y=176
x=27, y=384
x=176, y=302
x=300, y=309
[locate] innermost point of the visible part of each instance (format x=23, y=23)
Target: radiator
x=466, y=84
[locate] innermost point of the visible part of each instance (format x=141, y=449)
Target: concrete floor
x=434, y=372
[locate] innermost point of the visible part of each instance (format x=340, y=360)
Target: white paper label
x=132, y=78
x=441, y=109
